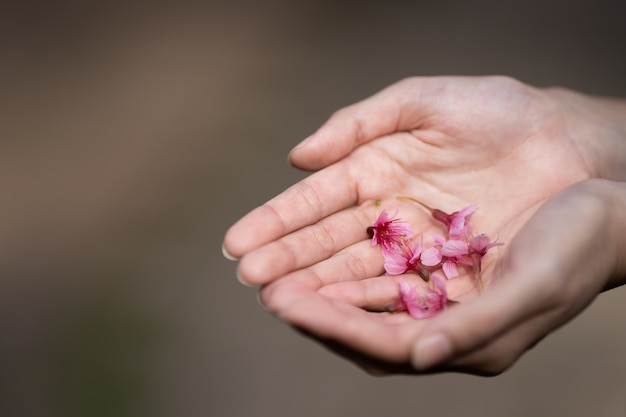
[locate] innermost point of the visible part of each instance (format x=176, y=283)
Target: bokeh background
x=132, y=134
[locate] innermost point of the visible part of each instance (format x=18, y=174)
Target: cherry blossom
x=478, y=247
x=448, y=254
x=389, y=231
x=432, y=256
x=426, y=304
x=458, y=248
x=404, y=258
x=458, y=222
x=454, y=252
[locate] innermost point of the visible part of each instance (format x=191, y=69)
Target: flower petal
x=453, y=248
x=439, y=240
x=431, y=257
x=450, y=269
x=440, y=283
x=407, y=293
x=395, y=265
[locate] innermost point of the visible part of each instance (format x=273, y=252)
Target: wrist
x=617, y=200
x=608, y=200
x=598, y=126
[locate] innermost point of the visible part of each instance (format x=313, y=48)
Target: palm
x=507, y=169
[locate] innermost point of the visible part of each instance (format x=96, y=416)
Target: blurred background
x=133, y=134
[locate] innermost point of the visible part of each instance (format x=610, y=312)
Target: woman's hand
x=448, y=142
x=552, y=269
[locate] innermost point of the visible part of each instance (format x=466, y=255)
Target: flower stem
x=477, y=277
x=427, y=207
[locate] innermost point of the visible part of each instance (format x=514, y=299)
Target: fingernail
x=241, y=280
x=260, y=301
x=304, y=142
x=228, y=255
x=431, y=351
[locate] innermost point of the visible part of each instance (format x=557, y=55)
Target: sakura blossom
x=454, y=252
x=448, y=254
x=389, y=231
x=404, y=258
x=459, y=248
x=481, y=244
x=424, y=303
x=432, y=256
x=478, y=247
x=458, y=222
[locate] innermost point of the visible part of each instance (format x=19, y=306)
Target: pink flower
x=388, y=231
x=425, y=305
x=405, y=258
x=481, y=244
x=458, y=222
x=478, y=247
x=449, y=253
x=454, y=252
x=432, y=256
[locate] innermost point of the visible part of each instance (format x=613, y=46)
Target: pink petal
x=417, y=250
x=439, y=240
x=415, y=258
x=394, y=261
x=384, y=218
x=426, y=305
x=431, y=257
x=450, y=269
x=459, y=224
x=454, y=248
x=440, y=283
x=395, y=265
x=482, y=243
x=407, y=293
x=466, y=211
x=388, y=230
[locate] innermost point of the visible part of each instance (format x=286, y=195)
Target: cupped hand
x=551, y=270
x=447, y=142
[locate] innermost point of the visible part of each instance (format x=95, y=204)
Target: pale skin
x=544, y=166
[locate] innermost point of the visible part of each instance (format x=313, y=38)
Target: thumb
x=390, y=110
x=553, y=268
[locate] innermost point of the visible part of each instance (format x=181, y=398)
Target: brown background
x=133, y=134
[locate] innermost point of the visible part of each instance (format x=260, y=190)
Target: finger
x=302, y=204
x=375, y=294
x=345, y=324
x=381, y=114
x=381, y=293
x=305, y=247
x=357, y=262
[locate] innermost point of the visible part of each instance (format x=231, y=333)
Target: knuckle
x=324, y=239
x=307, y=193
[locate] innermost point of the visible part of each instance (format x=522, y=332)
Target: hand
x=448, y=142
x=552, y=269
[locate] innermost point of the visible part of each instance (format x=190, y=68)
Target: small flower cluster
x=402, y=255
